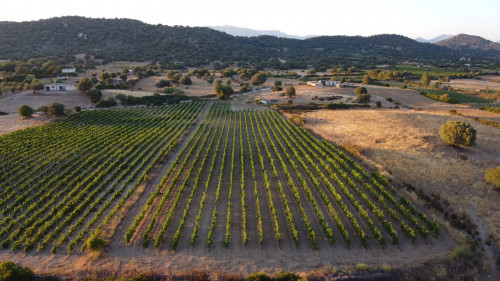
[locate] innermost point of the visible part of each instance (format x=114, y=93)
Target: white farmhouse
x=68, y=70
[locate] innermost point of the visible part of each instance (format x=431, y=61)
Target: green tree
x=425, y=79
x=258, y=78
x=278, y=83
x=103, y=76
x=36, y=86
x=361, y=90
x=366, y=79
x=458, y=133
x=94, y=95
x=10, y=271
x=55, y=109
x=363, y=98
x=244, y=87
x=185, y=80
x=84, y=84
x=25, y=111
x=222, y=90
x=290, y=92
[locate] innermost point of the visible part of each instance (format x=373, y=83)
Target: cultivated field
x=199, y=185
x=11, y=102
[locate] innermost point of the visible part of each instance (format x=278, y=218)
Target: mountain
x=247, y=32
x=126, y=39
x=433, y=40
x=469, y=43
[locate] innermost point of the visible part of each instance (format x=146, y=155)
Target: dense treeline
x=125, y=39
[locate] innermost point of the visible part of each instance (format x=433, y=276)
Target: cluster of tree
x=177, y=77
x=106, y=102
x=381, y=75
x=155, y=99
x=222, y=90
x=54, y=109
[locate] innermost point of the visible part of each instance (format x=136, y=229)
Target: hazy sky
x=423, y=18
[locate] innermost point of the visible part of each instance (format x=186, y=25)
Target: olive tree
x=25, y=111
x=458, y=133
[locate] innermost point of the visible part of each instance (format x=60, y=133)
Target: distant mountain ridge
x=435, y=39
x=469, y=42
x=248, y=32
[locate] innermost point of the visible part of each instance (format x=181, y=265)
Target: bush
x=289, y=101
x=379, y=104
x=44, y=109
x=458, y=133
x=55, y=109
x=107, y=102
x=185, y=80
x=10, y=271
x=163, y=83
x=361, y=90
x=25, y=111
x=3, y=113
x=363, y=98
x=77, y=109
x=493, y=176
x=452, y=112
x=95, y=243
x=388, y=99
x=287, y=276
x=94, y=95
x=337, y=105
x=258, y=277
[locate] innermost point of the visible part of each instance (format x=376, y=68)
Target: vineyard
x=62, y=182
x=252, y=178
x=240, y=179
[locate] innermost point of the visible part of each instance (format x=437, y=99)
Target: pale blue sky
x=423, y=18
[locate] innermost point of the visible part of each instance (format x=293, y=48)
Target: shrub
x=379, y=104
x=388, y=99
x=493, y=176
x=297, y=120
x=10, y=271
x=277, y=88
x=452, y=112
x=458, y=133
x=258, y=277
x=363, y=98
x=95, y=243
x=361, y=90
x=44, y=109
x=287, y=276
x=107, y=102
x=185, y=80
x=25, y=111
x=337, y=105
x=289, y=101
x=353, y=149
x=163, y=83
x=3, y=113
x=55, y=109
x=77, y=109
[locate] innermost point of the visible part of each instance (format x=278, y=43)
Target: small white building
x=59, y=87
x=321, y=83
x=315, y=83
x=68, y=70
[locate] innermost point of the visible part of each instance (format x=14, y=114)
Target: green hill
x=126, y=39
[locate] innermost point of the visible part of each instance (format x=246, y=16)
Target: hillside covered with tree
x=126, y=39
